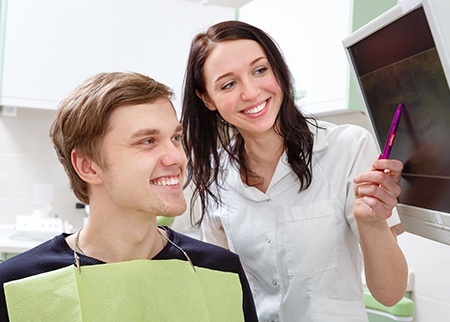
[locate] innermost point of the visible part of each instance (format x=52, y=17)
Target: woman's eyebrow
x=228, y=74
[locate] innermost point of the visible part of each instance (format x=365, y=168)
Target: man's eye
x=177, y=137
x=148, y=141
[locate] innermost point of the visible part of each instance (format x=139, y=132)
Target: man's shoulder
x=42, y=258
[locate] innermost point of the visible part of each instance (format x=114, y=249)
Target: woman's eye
x=261, y=70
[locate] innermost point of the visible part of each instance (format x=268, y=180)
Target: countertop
x=11, y=244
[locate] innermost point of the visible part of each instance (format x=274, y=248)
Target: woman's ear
x=206, y=100
x=85, y=168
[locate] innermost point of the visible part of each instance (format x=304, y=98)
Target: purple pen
x=392, y=132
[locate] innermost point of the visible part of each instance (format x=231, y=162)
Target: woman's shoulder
x=202, y=246
x=331, y=129
x=327, y=133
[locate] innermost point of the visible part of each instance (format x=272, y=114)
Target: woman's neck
x=263, y=149
x=262, y=156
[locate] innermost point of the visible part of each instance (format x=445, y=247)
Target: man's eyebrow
x=144, y=132
x=179, y=128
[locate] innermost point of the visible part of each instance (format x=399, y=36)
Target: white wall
x=26, y=158
x=310, y=35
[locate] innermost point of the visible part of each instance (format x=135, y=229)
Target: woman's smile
x=257, y=109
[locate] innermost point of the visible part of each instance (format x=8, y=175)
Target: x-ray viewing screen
x=400, y=64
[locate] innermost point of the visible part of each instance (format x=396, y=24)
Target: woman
x=290, y=195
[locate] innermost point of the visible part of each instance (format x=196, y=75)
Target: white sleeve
x=213, y=232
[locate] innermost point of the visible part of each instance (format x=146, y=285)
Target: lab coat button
x=268, y=199
x=275, y=282
x=268, y=240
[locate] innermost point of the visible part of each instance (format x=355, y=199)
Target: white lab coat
x=301, y=251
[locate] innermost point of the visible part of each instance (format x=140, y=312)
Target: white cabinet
x=50, y=46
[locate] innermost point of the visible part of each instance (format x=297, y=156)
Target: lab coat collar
x=283, y=168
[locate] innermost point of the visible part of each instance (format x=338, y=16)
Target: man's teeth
x=166, y=181
x=256, y=109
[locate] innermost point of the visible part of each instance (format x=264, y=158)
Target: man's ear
x=206, y=100
x=85, y=168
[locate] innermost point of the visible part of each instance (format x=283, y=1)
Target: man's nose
x=173, y=155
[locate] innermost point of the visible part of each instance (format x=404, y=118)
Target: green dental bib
x=140, y=290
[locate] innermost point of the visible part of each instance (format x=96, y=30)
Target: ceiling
x=223, y=3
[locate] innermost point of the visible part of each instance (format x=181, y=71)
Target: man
x=119, y=140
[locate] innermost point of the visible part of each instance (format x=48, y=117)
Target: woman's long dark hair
x=207, y=133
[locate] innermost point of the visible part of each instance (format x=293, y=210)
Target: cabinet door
x=50, y=46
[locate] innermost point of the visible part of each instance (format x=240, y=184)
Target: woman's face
x=241, y=86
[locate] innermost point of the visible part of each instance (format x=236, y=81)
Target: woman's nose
x=250, y=90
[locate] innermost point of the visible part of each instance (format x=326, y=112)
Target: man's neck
x=115, y=241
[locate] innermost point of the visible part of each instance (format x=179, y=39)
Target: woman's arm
x=385, y=266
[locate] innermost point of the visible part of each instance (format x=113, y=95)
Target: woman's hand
x=377, y=190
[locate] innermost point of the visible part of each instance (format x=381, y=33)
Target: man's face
x=144, y=161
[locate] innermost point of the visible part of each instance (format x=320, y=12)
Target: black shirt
x=56, y=253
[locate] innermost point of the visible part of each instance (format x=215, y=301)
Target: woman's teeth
x=256, y=109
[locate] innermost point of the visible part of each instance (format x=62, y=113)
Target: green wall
x=363, y=11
